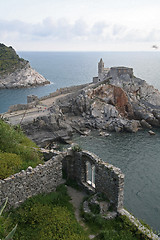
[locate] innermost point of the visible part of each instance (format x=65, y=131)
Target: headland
x=116, y=100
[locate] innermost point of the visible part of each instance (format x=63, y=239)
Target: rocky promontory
x=118, y=102
x=15, y=72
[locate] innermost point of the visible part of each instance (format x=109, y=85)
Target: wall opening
x=90, y=174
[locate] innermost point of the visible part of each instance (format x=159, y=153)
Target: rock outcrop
x=22, y=78
x=15, y=72
x=118, y=103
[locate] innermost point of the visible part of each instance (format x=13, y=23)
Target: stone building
x=113, y=72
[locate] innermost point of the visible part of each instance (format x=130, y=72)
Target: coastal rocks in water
x=46, y=129
x=22, y=78
x=15, y=72
x=151, y=132
x=121, y=103
x=108, y=107
x=144, y=124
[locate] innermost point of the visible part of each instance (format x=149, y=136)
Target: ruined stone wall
x=108, y=179
x=42, y=179
x=18, y=107
x=31, y=104
x=64, y=90
x=45, y=178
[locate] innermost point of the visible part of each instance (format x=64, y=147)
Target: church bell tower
x=100, y=70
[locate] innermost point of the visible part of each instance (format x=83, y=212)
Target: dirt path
x=76, y=200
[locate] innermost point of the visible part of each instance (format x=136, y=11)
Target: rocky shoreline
x=118, y=103
x=22, y=78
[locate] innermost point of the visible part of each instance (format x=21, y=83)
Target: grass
x=17, y=152
x=46, y=217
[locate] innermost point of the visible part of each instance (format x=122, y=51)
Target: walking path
x=42, y=109
x=76, y=200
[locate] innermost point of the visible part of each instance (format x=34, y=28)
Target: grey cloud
x=118, y=29
x=80, y=28
x=99, y=27
x=62, y=30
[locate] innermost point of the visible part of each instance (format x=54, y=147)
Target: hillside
x=15, y=72
x=9, y=60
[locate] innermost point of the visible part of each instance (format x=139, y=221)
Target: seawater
x=138, y=155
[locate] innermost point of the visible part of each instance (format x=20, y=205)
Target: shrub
x=13, y=141
x=4, y=225
x=76, y=148
x=9, y=164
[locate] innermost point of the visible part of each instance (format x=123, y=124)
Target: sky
x=80, y=25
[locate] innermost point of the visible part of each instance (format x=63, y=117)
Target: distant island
x=15, y=72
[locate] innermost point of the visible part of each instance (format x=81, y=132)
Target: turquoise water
x=72, y=68
x=138, y=155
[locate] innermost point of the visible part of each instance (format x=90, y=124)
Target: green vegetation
x=17, y=152
x=119, y=228
x=47, y=217
x=9, y=60
x=3, y=224
x=76, y=148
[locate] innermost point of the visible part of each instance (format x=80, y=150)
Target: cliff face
x=122, y=103
x=21, y=78
x=16, y=72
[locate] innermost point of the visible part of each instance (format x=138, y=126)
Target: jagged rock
x=132, y=126
x=144, y=124
x=21, y=78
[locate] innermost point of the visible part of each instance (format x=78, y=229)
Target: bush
x=13, y=141
x=9, y=164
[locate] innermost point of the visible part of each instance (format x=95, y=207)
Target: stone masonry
x=45, y=178
x=108, y=179
x=42, y=179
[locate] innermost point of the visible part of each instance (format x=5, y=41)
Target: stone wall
x=45, y=178
x=108, y=179
x=18, y=107
x=42, y=179
x=118, y=71
x=33, y=101
x=64, y=90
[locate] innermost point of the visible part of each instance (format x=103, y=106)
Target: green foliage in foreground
x=10, y=235
x=17, y=152
x=119, y=228
x=9, y=60
x=47, y=217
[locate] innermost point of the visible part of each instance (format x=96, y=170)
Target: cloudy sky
x=80, y=25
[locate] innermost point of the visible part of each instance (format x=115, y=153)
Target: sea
x=138, y=154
